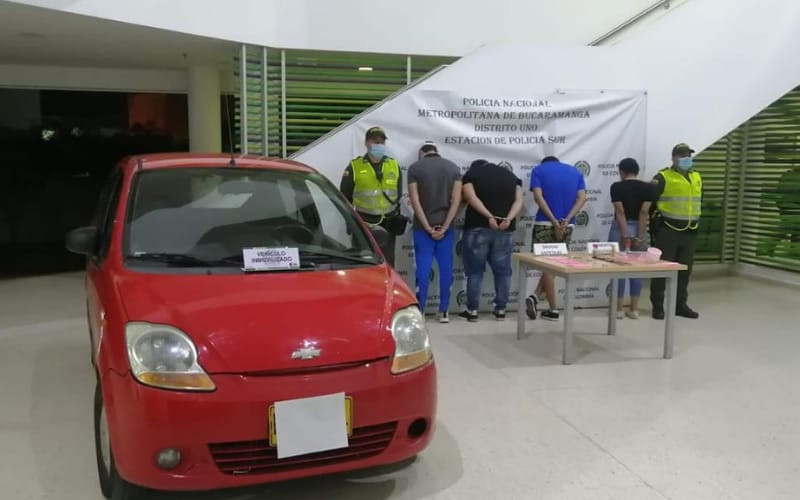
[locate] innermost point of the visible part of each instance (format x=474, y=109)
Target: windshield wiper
x=179, y=259
x=317, y=255
x=309, y=259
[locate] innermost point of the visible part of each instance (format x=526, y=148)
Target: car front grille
x=256, y=457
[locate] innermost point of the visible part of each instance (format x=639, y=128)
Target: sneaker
x=632, y=314
x=532, y=306
x=499, y=314
x=444, y=317
x=550, y=315
x=620, y=314
x=686, y=312
x=471, y=316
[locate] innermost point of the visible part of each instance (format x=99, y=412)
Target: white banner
x=592, y=130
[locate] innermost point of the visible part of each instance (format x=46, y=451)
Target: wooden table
x=580, y=266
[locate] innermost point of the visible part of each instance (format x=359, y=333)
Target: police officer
x=373, y=184
x=679, y=193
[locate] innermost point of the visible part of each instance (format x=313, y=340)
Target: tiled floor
x=721, y=420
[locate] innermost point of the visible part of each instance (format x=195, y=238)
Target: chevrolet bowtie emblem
x=306, y=353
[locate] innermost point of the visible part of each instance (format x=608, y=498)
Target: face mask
x=685, y=162
x=377, y=151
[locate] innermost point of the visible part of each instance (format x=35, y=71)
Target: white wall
x=707, y=68
x=458, y=27
x=441, y=27
x=101, y=79
x=239, y=20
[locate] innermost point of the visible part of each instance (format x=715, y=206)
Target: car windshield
x=205, y=217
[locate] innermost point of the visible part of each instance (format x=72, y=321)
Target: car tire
x=123, y=490
x=112, y=485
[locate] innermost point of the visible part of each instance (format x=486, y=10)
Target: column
x=205, y=127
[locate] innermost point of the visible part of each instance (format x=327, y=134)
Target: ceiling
x=37, y=36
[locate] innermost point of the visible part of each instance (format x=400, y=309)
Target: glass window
x=330, y=218
x=208, y=215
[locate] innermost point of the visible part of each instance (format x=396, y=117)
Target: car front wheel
x=111, y=483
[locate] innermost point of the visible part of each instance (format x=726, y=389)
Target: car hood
x=253, y=323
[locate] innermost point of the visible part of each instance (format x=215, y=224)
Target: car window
x=288, y=196
x=330, y=218
x=211, y=214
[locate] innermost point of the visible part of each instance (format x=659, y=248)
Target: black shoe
x=532, y=306
x=686, y=312
x=471, y=316
x=499, y=314
x=550, y=315
x=658, y=312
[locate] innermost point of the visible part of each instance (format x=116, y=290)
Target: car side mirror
x=380, y=234
x=82, y=241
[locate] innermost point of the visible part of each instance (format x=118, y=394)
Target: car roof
x=210, y=160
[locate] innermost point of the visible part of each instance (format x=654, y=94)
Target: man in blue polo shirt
x=560, y=192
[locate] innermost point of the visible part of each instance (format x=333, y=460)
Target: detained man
x=494, y=198
x=434, y=188
x=560, y=193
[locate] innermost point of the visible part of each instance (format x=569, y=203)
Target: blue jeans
x=425, y=250
x=615, y=235
x=482, y=245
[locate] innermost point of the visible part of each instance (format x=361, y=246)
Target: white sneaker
x=632, y=314
x=620, y=314
x=444, y=317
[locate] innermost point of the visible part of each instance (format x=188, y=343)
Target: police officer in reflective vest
x=373, y=184
x=679, y=194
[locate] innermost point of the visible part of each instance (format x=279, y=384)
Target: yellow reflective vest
x=370, y=194
x=680, y=202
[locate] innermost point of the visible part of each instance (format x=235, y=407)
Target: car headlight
x=165, y=357
x=412, y=346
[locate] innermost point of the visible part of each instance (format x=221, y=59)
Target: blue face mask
x=685, y=162
x=377, y=151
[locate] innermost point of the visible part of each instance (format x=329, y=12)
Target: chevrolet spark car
x=245, y=328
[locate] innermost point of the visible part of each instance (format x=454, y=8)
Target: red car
x=245, y=329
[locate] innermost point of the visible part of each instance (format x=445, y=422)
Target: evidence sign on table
x=542, y=249
x=602, y=246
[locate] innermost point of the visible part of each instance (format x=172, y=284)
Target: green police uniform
x=675, y=230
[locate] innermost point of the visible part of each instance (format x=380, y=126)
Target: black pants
x=676, y=246
x=388, y=248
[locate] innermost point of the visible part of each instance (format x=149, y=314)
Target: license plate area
x=273, y=431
